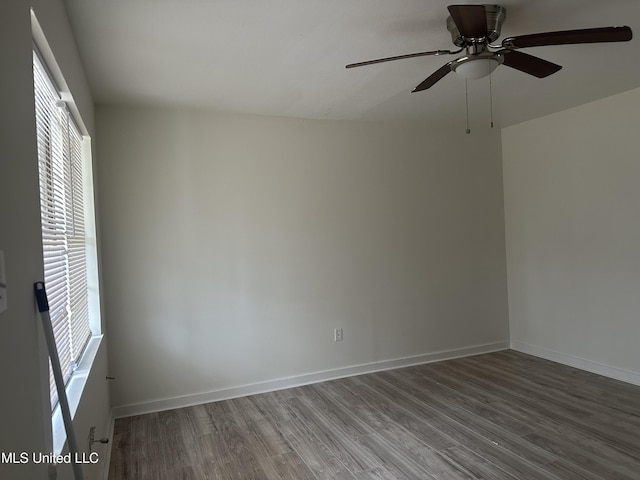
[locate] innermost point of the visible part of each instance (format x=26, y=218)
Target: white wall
x=234, y=245
x=24, y=411
x=572, y=197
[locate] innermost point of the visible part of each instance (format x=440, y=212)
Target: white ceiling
x=287, y=57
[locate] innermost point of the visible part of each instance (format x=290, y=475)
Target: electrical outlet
x=337, y=335
x=92, y=437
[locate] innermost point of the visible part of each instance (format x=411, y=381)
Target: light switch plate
x=3, y=284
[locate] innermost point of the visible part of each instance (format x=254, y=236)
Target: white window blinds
x=63, y=234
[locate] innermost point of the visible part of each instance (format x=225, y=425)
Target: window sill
x=74, y=393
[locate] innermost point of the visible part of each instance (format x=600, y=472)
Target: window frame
x=76, y=384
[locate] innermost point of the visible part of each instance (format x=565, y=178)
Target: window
x=62, y=194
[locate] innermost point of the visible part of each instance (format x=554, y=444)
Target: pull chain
x=491, y=99
x=466, y=101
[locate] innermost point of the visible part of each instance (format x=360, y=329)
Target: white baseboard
x=299, y=380
x=577, y=362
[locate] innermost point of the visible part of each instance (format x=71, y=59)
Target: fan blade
x=569, y=37
x=471, y=20
x=528, y=63
x=400, y=57
x=432, y=79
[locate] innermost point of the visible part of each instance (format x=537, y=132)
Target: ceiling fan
x=474, y=27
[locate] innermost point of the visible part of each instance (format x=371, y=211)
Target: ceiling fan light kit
x=473, y=67
x=474, y=27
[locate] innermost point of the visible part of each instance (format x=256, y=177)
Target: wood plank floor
x=496, y=416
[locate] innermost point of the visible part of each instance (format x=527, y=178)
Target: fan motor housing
x=496, y=16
